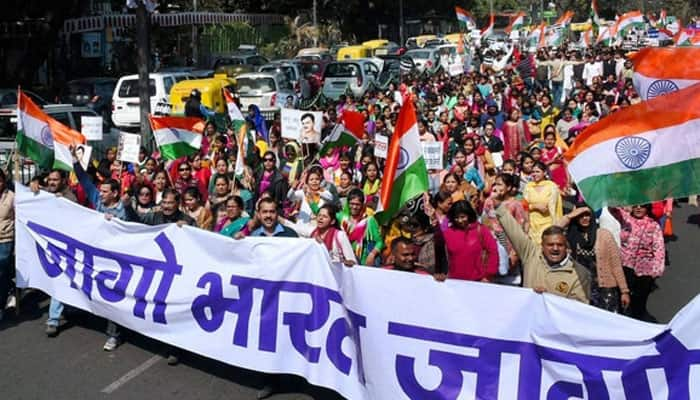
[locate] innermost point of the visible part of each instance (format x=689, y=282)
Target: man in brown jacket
x=547, y=268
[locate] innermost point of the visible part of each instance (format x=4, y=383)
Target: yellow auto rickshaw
x=419, y=41
x=353, y=52
x=375, y=44
x=212, y=97
x=453, y=37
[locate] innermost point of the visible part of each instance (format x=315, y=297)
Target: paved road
x=73, y=365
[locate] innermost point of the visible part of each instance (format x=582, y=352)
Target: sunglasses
x=184, y=169
x=269, y=159
x=144, y=193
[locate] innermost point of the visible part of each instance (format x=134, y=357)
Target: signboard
x=381, y=146
x=129, y=147
x=91, y=45
x=91, y=127
x=455, y=69
x=432, y=153
x=302, y=126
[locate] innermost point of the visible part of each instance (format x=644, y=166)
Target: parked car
x=94, y=93
x=425, y=58
x=354, y=74
x=314, y=54
x=237, y=64
x=125, y=100
x=292, y=70
x=267, y=91
x=8, y=98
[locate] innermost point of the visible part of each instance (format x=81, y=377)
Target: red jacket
x=472, y=253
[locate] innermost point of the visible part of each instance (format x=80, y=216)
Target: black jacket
x=279, y=186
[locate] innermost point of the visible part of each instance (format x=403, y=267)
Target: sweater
x=7, y=216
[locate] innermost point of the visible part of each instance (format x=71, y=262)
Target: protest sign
x=91, y=127
x=83, y=152
x=367, y=333
x=432, y=153
x=302, y=126
x=381, y=145
x=129, y=147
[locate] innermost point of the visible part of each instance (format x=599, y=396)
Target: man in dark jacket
x=169, y=212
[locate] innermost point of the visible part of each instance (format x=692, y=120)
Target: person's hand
x=108, y=216
x=239, y=235
x=348, y=263
x=34, y=187
x=72, y=153
x=625, y=300
x=371, y=258
x=539, y=290
x=440, y=277
x=577, y=211
x=180, y=223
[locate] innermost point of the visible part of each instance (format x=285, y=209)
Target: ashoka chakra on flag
x=633, y=151
x=661, y=87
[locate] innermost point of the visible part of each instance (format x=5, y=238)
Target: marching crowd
x=502, y=210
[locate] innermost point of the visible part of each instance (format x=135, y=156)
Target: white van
x=125, y=100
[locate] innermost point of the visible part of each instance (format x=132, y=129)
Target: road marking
x=131, y=374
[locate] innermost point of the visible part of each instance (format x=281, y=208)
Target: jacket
x=570, y=280
x=278, y=186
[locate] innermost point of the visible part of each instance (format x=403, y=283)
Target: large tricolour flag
x=234, y=113
x=605, y=36
x=44, y=140
x=536, y=38
x=586, y=38
x=405, y=174
x=488, y=30
x=466, y=21
x=517, y=24
x=177, y=136
x=661, y=70
x=565, y=19
x=627, y=20
x=647, y=152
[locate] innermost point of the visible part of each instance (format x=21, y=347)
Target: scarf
x=266, y=180
x=328, y=239
x=371, y=188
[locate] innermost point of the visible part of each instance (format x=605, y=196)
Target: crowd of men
x=503, y=209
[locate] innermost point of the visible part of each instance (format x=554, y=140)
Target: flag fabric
x=405, y=174
x=242, y=149
x=517, y=24
x=177, y=136
x=665, y=34
x=662, y=18
x=554, y=36
x=627, y=20
x=354, y=122
x=683, y=38
x=464, y=18
x=234, y=113
x=662, y=70
x=44, y=140
x=488, y=30
x=586, y=38
x=646, y=152
x=605, y=36
x=565, y=19
x=595, y=19
x=536, y=38
x=340, y=136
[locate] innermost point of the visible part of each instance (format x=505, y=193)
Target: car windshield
x=79, y=89
x=419, y=54
x=344, y=70
x=130, y=88
x=280, y=69
x=8, y=126
x=228, y=61
x=252, y=85
x=309, y=69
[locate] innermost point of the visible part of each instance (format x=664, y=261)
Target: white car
x=125, y=100
x=354, y=74
x=265, y=90
x=426, y=58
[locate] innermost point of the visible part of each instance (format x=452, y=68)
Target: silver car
x=425, y=58
x=294, y=74
x=353, y=74
x=265, y=90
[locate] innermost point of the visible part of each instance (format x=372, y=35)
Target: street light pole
x=195, y=38
x=401, y=23
x=142, y=59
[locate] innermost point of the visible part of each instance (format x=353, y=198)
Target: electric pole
x=195, y=38
x=143, y=22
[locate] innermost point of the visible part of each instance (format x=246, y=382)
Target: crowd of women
x=503, y=137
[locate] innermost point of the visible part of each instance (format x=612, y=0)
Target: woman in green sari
x=234, y=221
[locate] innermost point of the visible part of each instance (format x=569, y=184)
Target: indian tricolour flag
x=517, y=24
x=627, y=20
x=586, y=38
x=594, y=13
x=661, y=70
x=177, y=136
x=488, y=30
x=44, y=140
x=536, y=38
x=466, y=21
x=554, y=35
x=647, y=152
x=234, y=113
x=565, y=19
x=605, y=36
x=405, y=174
x=682, y=38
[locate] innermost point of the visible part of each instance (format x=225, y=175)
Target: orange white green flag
x=517, y=23
x=646, y=152
x=44, y=140
x=488, y=30
x=627, y=20
x=405, y=174
x=661, y=70
x=177, y=136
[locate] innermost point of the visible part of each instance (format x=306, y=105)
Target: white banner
x=91, y=127
x=302, y=126
x=277, y=305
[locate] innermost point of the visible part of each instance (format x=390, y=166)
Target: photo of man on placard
x=309, y=134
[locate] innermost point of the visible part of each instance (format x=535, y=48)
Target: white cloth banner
x=277, y=305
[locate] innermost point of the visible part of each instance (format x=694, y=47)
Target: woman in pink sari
x=552, y=157
x=516, y=135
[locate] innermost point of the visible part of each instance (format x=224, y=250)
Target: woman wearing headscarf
x=293, y=166
x=595, y=248
x=362, y=229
